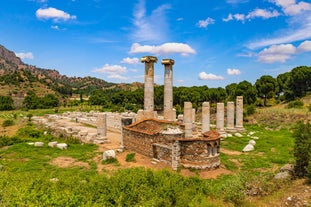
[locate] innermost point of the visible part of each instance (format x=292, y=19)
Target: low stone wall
x=196, y=154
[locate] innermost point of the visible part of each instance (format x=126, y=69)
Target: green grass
x=272, y=147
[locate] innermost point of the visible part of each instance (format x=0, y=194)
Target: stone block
x=109, y=154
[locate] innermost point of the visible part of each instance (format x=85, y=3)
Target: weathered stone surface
x=252, y=142
x=52, y=144
x=248, y=148
x=282, y=175
x=238, y=134
x=62, y=146
x=38, y=144
x=288, y=168
x=109, y=154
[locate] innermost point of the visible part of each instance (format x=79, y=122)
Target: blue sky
x=213, y=43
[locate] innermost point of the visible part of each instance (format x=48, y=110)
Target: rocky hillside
x=17, y=78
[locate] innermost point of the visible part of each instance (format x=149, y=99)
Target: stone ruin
x=176, y=141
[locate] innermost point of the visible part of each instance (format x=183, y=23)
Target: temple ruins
x=173, y=140
x=179, y=141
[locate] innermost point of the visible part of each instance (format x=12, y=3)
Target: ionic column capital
x=148, y=59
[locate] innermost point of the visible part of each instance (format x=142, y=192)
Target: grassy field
x=29, y=177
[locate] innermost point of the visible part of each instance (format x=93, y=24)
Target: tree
x=231, y=91
x=31, y=101
x=50, y=101
x=298, y=83
x=266, y=87
x=248, y=91
x=6, y=103
x=98, y=98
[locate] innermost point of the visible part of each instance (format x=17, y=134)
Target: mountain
x=17, y=78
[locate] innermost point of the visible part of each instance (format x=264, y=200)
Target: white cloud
x=233, y=71
x=206, y=22
x=290, y=7
x=130, y=60
x=229, y=18
x=55, y=27
x=117, y=76
x=263, y=13
x=27, y=55
x=276, y=53
x=282, y=52
x=111, y=69
x=165, y=48
x=257, y=13
x=304, y=46
x=236, y=1
x=180, y=81
x=152, y=27
x=180, y=19
x=209, y=76
x=54, y=14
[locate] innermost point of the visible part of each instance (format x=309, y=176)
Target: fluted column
x=149, y=85
x=188, y=119
x=239, y=112
x=168, y=89
x=220, y=117
x=205, y=117
x=230, y=115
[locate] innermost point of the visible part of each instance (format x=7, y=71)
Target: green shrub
x=297, y=104
x=309, y=108
x=250, y=109
x=8, y=122
x=302, y=148
x=7, y=141
x=130, y=157
x=111, y=161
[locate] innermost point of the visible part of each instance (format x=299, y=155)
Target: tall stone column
x=188, y=119
x=230, y=115
x=220, y=117
x=149, y=85
x=102, y=125
x=205, y=117
x=239, y=112
x=168, y=89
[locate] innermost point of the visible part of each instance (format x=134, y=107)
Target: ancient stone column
x=193, y=115
x=230, y=115
x=220, y=117
x=168, y=89
x=102, y=125
x=149, y=85
x=188, y=119
x=239, y=112
x=205, y=117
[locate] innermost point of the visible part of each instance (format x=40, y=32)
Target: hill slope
x=17, y=78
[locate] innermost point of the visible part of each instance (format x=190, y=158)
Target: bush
x=7, y=141
x=7, y=123
x=302, y=149
x=250, y=109
x=297, y=104
x=130, y=157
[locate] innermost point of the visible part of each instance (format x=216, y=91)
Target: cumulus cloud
x=54, y=14
x=27, y=55
x=282, y=52
x=117, y=76
x=233, y=71
x=165, y=48
x=206, y=22
x=290, y=7
x=209, y=76
x=130, y=60
x=146, y=28
x=304, y=46
x=113, y=71
x=276, y=53
x=263, y=13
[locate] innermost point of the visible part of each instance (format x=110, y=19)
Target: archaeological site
x=178, y=140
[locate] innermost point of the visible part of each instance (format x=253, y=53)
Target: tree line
x=285, y=87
